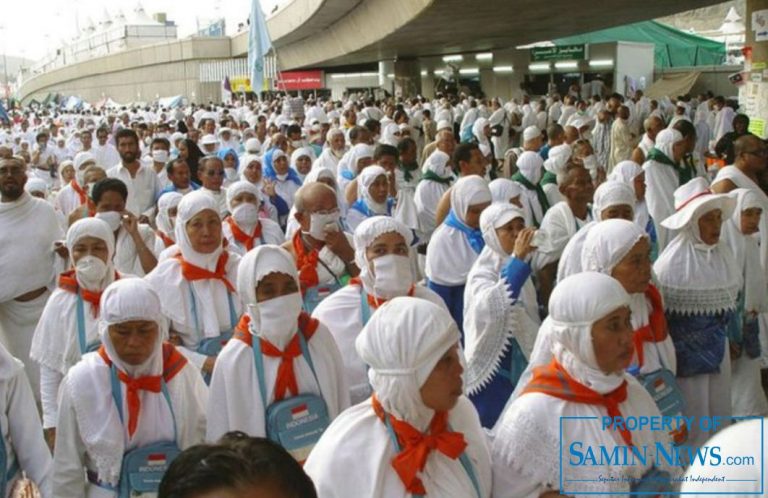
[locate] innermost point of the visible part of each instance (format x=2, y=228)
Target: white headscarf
x=558, y=158
x=666, y=139
x=36, y=185
x=478, y=128
x=245, y=161
x=503, y=189
x=301, y=152
x=468, y=191
x=610, y=194
x=238, y=188
x=608, y=243
x=359, y=151
x=402, y=343
x=99, y=229
x=437, y=163
x=366, y=234
x=626, y=172
x=367, y=177
x=167, y=201
x=694, y=277
x=530, y=163
x=255, y=265
x=746, y=251
x=495, y=216
x=388, y=136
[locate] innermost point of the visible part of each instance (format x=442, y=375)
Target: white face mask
x=282, y=177
x=590, y=162
x=230, y=174
x=319, y=221
x=392, y=276
x=276, y=317
x=246, y=214
x=160, y=156
x=90, y=271
x=113, y=219
x=296, y=144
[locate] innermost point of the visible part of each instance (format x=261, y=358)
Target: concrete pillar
x=407, y=77
x=385, y=68
x=753, y=95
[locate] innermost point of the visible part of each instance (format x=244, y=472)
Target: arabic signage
x=299, y=80
x=557, y=53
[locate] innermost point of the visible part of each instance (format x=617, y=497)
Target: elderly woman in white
x=700, y=281
x=372, y=196
x=579, y=372
x=195, y=282
x=130, y=406
x=68, y=327
x=167, y=208
x=297, y=353
x=419, y=434
x=630, y=173
x=382, y=254
x=501, y=315
x=244, y=229
x=457, y=243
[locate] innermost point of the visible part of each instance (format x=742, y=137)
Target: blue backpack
x=295, y=423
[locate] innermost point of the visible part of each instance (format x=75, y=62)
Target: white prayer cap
x=253, y=146
x=610, y=194
x=316, y=174
x=504, y=189
x=437, y=163
x=402, y=343
x=529, y=163
x=558, y=159
x=36, y=185
x=225, y=130
x=359, y=151
x=531, y=132
x=626, y=172
x=468, y=191
x=444, y=124
x=607, y=243
x=209, y=140
x=666, y=139
x=83, y=157
x=238, y=188
x=495, y=216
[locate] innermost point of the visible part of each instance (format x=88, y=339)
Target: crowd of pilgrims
x=402, y=296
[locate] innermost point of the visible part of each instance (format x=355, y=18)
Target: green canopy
x=674, y=48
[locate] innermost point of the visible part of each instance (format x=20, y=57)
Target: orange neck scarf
x=247, y=240
x=79, y=191
x=656, y=329
x=417, y=446
x=285, y=384
x=552, y=379
x=373, y=301
x=306, y=263
x=173, y=362
x=191, y=272
x=167, y=241
x=68, y=282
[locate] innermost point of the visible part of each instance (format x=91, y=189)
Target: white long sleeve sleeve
x=49, y=395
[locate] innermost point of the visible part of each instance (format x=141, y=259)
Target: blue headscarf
x=222, y=154
x=269, y=170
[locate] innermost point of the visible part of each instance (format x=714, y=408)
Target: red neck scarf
x=79, y=191
x=306, y=263
x=246, y=240
x=417, y=446
x=656, y=329
x=173, y=362
x=286, y=385
x=553, y=380
x=191, y=272
x=373, y=301
x=68, y=282
x=167, y=241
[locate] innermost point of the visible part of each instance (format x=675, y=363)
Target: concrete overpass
x=325, y=33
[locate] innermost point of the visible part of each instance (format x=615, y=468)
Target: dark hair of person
x=193, y=159
x=160, y=140
x=108, y=185
x=405, y=144
x=126, y=133
x=373, y=125
x=172, y=163
x=463, y=152
x=685, y=128
x=355, y=131
x=382, y=150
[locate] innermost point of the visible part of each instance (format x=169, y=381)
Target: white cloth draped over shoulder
x=402, y=344
x=661, y=180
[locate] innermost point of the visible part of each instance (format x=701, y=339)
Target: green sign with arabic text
x=557, y=53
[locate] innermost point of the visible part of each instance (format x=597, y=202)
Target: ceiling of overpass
x=454, y=26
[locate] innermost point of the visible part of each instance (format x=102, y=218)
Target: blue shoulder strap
x=81, y=325
x=232, y=312
x=117, y=395
x=365, y=308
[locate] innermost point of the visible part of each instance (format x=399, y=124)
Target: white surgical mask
x=296, y=144
x=113, y=219
x=275, y=319
x=590, y=162
x=319, y=221
x=90, y=271
x=392, y=276
x=160, y=156
x=246, y=214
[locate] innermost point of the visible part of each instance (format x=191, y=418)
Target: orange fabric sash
x=373, y=301
x=656, y=329
x=286, y=384
x=79, y=191
x=242, y=237
x=191, y=272
x=306, y=263
x=552, y=379
x=167, y=241
x=417, y=446
x=173, y=362
x=68, y=282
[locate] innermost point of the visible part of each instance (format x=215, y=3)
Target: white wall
x=634, y=60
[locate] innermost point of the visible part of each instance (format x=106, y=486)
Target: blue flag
x=258, y=46
x=3, y=114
